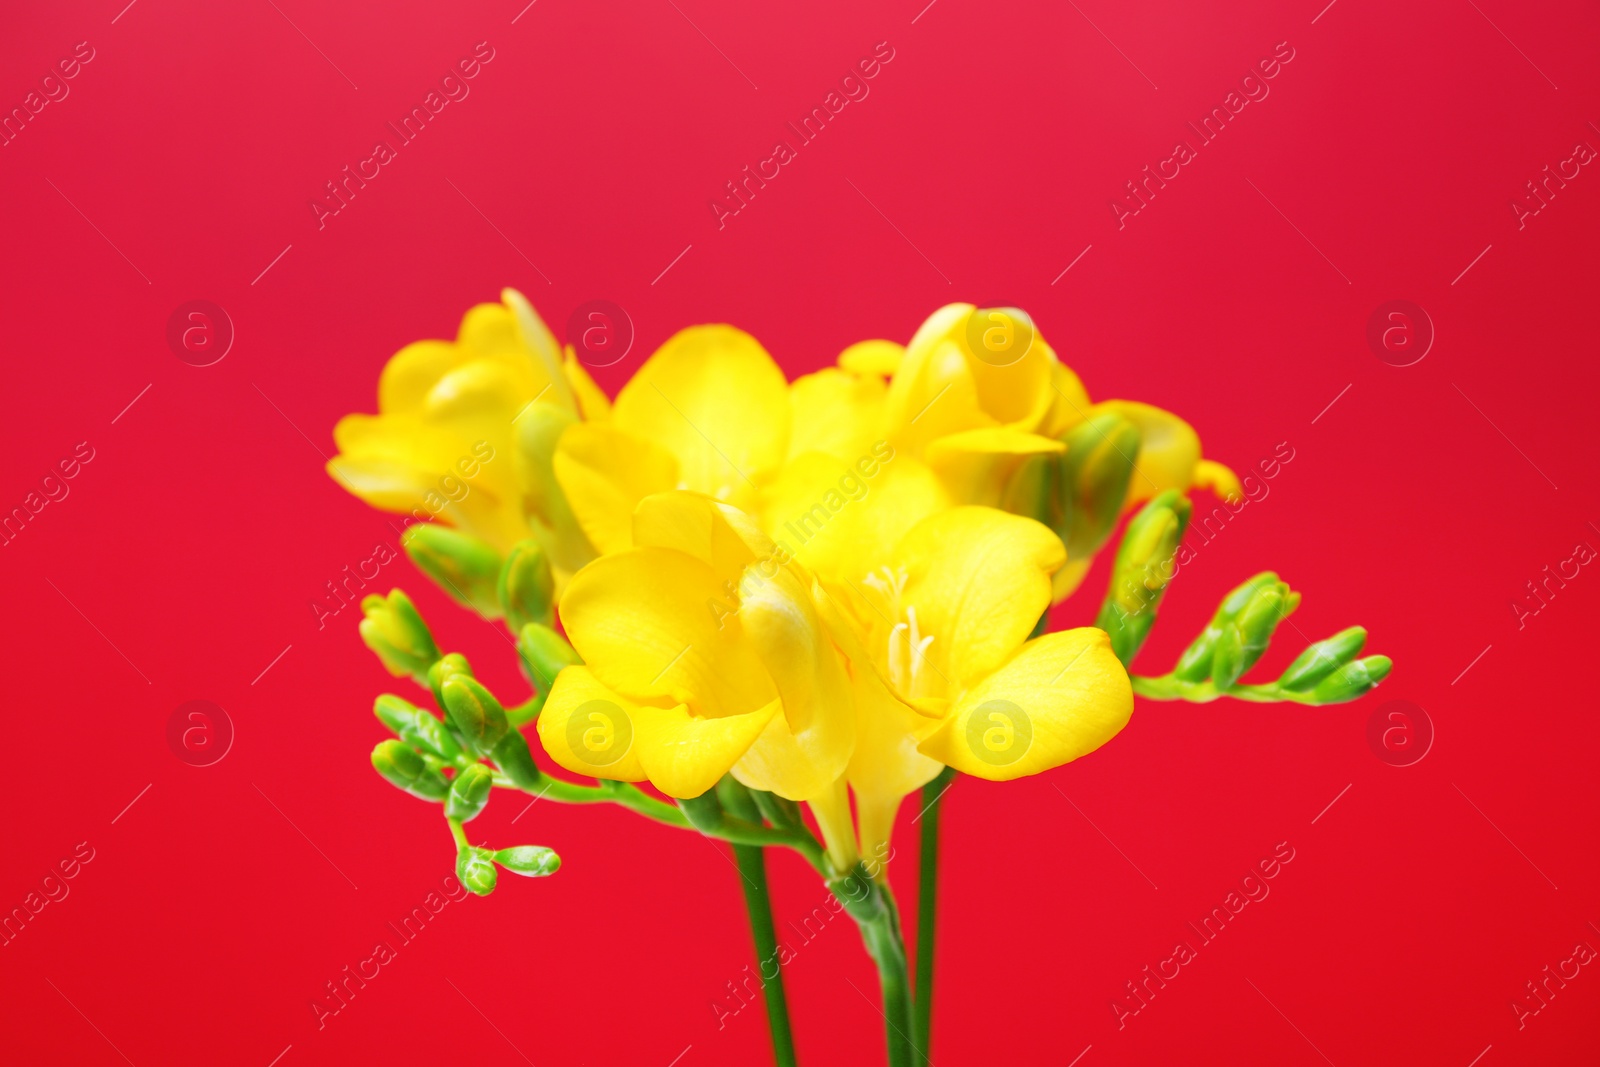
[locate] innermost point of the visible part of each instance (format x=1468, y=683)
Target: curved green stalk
x=752, y=864
x=927, y=911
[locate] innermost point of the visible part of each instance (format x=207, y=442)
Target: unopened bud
x=445, y=668
x=474, y=713
x=397, y=635
x=469, y=793
x=1144, y=566
x=1099, y=462
x=476, y=870
x=1195, y=663
x=530, y=861
x=515, y=761
x=405, y=769
x=1354, y=679
x=459, y=563
x=416, y=727
x=545, y=653
x=1323, y=658
x=1245, y=637
x=526, y=586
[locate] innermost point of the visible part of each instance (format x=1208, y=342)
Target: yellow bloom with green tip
x=466, y=429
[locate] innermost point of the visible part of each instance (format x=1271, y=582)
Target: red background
x=186, y=555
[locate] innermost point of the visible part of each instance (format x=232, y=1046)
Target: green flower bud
x=1195, y=663
x=474, y=713
x=1245, y=637
x=527, y=586
x=407, y=770
x=1144, y=565
x=1353, y=680
x=446, y=667
x=1323, y=658
x=459, y=563
x=469, y=793
x=545, y=653
x=1096, y=470
x=397, y=713
x=416, y=727
x=1034, y=491
x=515, y=761
x=476, y=870
x=530, y=861
x=397, y=635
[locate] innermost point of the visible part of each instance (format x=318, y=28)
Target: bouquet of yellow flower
x=788, y=606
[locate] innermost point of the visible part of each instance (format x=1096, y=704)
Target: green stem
x=752, y=864
x=737, y=831
x=751, y=860
x=1166, y=687
x=928, y=910
x=871, y=905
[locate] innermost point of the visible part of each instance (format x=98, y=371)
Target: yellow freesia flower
x=704, y=654
x=708, y=412
x=978, y=397
x=943, y=620
x=466, y=429
x=714, y=651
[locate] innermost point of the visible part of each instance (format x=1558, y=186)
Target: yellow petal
x=593, y=404
x=1169, y=449
x=723, y=537
x=979, y=579
x=604, y=473
x=887, y=762
x=590, y=729
x=658, y=625
x=544, y=354
x=879, y=358
x=1069, y=402
x=837, y=413
x=976, y=465
x=1063, y=695
x=593, y=730
x=412, y=372
x=933, y=392
x=714, y=399
x=1014, y=383
x=842, y=520
x=802, y=756
x=539, y=428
